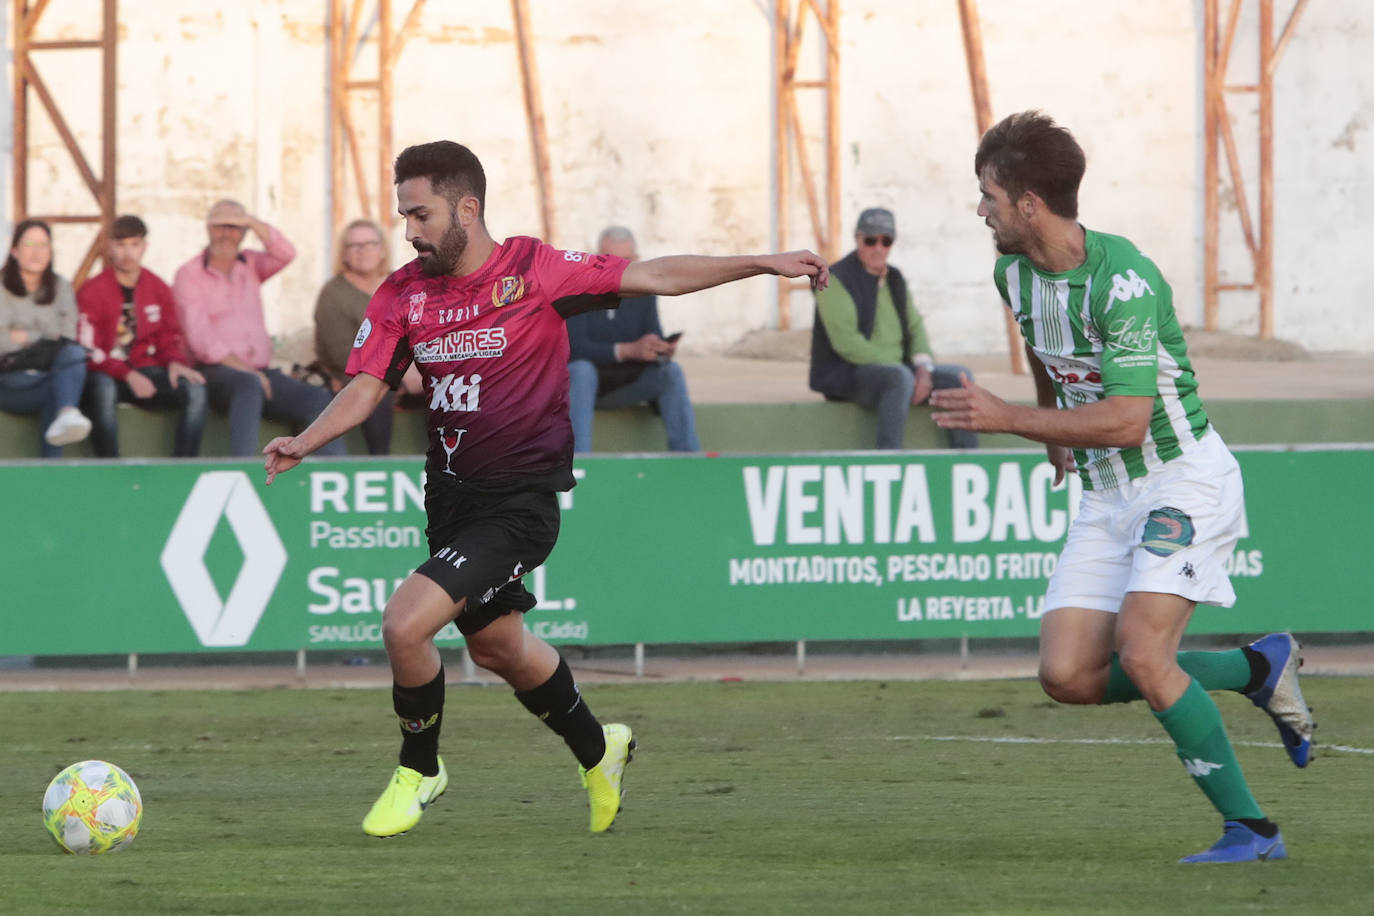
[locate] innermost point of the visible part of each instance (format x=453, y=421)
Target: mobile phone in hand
x=673, y=338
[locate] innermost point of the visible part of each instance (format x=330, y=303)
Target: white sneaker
x=70, y=426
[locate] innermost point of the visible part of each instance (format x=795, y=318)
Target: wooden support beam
x=1264, y=261
x=1211, y=199
x=534, y=113
x=385, y=209
x=971, y=26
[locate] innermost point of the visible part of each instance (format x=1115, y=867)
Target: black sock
x=422, y=712
x=558, y=704
x=1263, y=826
x=1259, y=669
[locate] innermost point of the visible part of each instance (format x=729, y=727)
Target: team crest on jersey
x=507, y=290
x=417, y=307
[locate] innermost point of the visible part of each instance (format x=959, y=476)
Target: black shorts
x=481, y=545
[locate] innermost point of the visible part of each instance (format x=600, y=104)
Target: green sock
x=1200, y=737
x=1227, y=670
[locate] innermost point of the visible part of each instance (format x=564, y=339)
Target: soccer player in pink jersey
x=484, y=323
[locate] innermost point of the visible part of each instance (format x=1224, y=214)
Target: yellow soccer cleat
x=406, y=797
x=603, y=780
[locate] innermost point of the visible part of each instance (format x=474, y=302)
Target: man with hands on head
x=484, y=321
x=219, y=300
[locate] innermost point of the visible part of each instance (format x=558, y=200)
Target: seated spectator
x=360, y=266
x=868, y=342
x=42, y=368
x=619, y=358
x=129, y=324
x=219, y=301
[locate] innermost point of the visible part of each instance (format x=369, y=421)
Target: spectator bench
x=803, y=426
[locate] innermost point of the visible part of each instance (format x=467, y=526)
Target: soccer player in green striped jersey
x=1163, y=503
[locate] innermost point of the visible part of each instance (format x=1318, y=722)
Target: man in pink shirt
x=219, y=300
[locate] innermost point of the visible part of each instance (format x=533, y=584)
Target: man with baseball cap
x=869, y=343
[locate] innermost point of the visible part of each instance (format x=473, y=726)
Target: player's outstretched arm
x=687, y=273
x=351, y=406
x=1118, y=421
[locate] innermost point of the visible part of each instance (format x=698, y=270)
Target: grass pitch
x=754, y=798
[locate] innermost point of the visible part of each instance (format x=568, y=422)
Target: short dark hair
x=451, y=168
x=14, y=281
x=1027, y=151
x=128, y=226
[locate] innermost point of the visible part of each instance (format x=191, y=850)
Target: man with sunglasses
x=869, y=343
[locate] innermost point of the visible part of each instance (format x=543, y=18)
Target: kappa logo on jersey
x=507, y=290
x=417, y=307
x=477, y=343
x=1124, y=289
x=1198, y=767
x=455, y=393
x=364, y=330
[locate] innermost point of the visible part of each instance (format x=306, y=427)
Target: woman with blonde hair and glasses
x=361, y=263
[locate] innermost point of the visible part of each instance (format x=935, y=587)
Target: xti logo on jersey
x=455, y=393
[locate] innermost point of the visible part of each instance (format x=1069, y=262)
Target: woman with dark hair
x=38, y=305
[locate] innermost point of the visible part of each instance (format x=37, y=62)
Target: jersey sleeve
x=999, y=277
x=1128, y=320
x=576, y=281
x=381, y=348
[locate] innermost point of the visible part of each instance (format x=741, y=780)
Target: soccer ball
x=92, y=807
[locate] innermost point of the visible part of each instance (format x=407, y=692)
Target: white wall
x=659, y=117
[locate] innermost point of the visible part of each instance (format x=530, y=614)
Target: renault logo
x=221, y=621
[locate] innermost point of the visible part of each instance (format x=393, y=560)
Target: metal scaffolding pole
x=26, y=78
x=972, y=29
x=347, y=35
x=789, y=138
x=1217, y=43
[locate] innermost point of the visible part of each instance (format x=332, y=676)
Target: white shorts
x=1171, y=531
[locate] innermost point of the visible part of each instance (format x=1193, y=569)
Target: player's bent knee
x=401, y=630
x=1146, y=668
x=494, y=655
x=1070, y=686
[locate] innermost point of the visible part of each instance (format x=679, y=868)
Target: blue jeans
x=45, y=393
x=888, y=389
x=104, y=392
x=663, y=383
x=240, y=395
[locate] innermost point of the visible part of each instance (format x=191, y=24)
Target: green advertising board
x=194, y=556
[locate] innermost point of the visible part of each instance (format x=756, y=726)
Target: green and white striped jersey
x=1108, y=327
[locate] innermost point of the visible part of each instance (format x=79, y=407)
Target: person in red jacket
x=129, y=325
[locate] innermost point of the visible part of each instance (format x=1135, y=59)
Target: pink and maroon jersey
x=492, y=349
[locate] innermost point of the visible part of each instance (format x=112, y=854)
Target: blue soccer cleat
x=1240, y=844
x=1281, y=697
